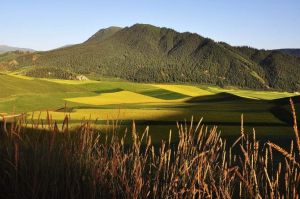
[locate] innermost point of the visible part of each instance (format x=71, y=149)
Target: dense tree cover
x=282, y=70
x=146, y=53
x=50, y=72
x=8, y=60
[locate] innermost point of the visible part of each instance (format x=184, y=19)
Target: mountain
x=145, y=53
x=64, y=46
x=290, y=51
x=4, y=49
x=103, y=34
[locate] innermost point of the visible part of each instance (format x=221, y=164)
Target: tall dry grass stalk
x=46, y=161
x=295, y=126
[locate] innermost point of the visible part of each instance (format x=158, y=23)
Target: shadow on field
x=108, y=91
x=219, y=97
x=213, y=106
x=282, y=109
x=194, y=107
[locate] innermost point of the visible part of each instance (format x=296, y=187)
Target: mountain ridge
x=146, y=53
x=290, y=51
x=6, y=48
x=103, y=34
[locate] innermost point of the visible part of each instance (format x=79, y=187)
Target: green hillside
x=145, y=53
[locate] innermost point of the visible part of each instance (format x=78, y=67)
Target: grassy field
x=157, y=105
x=91, y=139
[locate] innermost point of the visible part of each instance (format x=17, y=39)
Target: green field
x=158, y=105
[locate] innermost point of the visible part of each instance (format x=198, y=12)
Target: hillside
x=8, y=60
x=4, y=49
x=145, y=53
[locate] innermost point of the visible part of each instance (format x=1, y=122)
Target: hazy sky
x=42, y=25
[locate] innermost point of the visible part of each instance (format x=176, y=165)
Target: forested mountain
x=145, y=53
x=290, y=51
x=103, y=34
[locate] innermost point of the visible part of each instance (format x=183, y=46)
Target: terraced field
x=157, y=105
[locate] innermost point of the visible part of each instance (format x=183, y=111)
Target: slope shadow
x=115, y=90
x=286, y=100
x=282, y=110
x=219, y=97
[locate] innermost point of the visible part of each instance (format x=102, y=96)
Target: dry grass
x=57, y=163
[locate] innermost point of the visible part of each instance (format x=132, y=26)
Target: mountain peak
x=142, y=25
x=147, y=27
x=103, y=34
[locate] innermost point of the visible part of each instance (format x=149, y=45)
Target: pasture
x=159, y=106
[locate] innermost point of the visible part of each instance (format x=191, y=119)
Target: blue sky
x=43, y=25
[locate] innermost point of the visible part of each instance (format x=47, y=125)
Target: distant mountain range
x=145, y=53
x=4, y=49
x=290, y=51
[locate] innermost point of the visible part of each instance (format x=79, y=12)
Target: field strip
x=71, y=82
x=122, y=97
x=110, y=114
x=7, y=99
x=252, y=94
x=20, y=76
x=184, y=89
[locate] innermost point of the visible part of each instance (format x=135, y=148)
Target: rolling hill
x=145, y=53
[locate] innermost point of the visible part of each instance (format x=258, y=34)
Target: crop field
x=192, y=91
x=119, y=97
x=157, y=105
